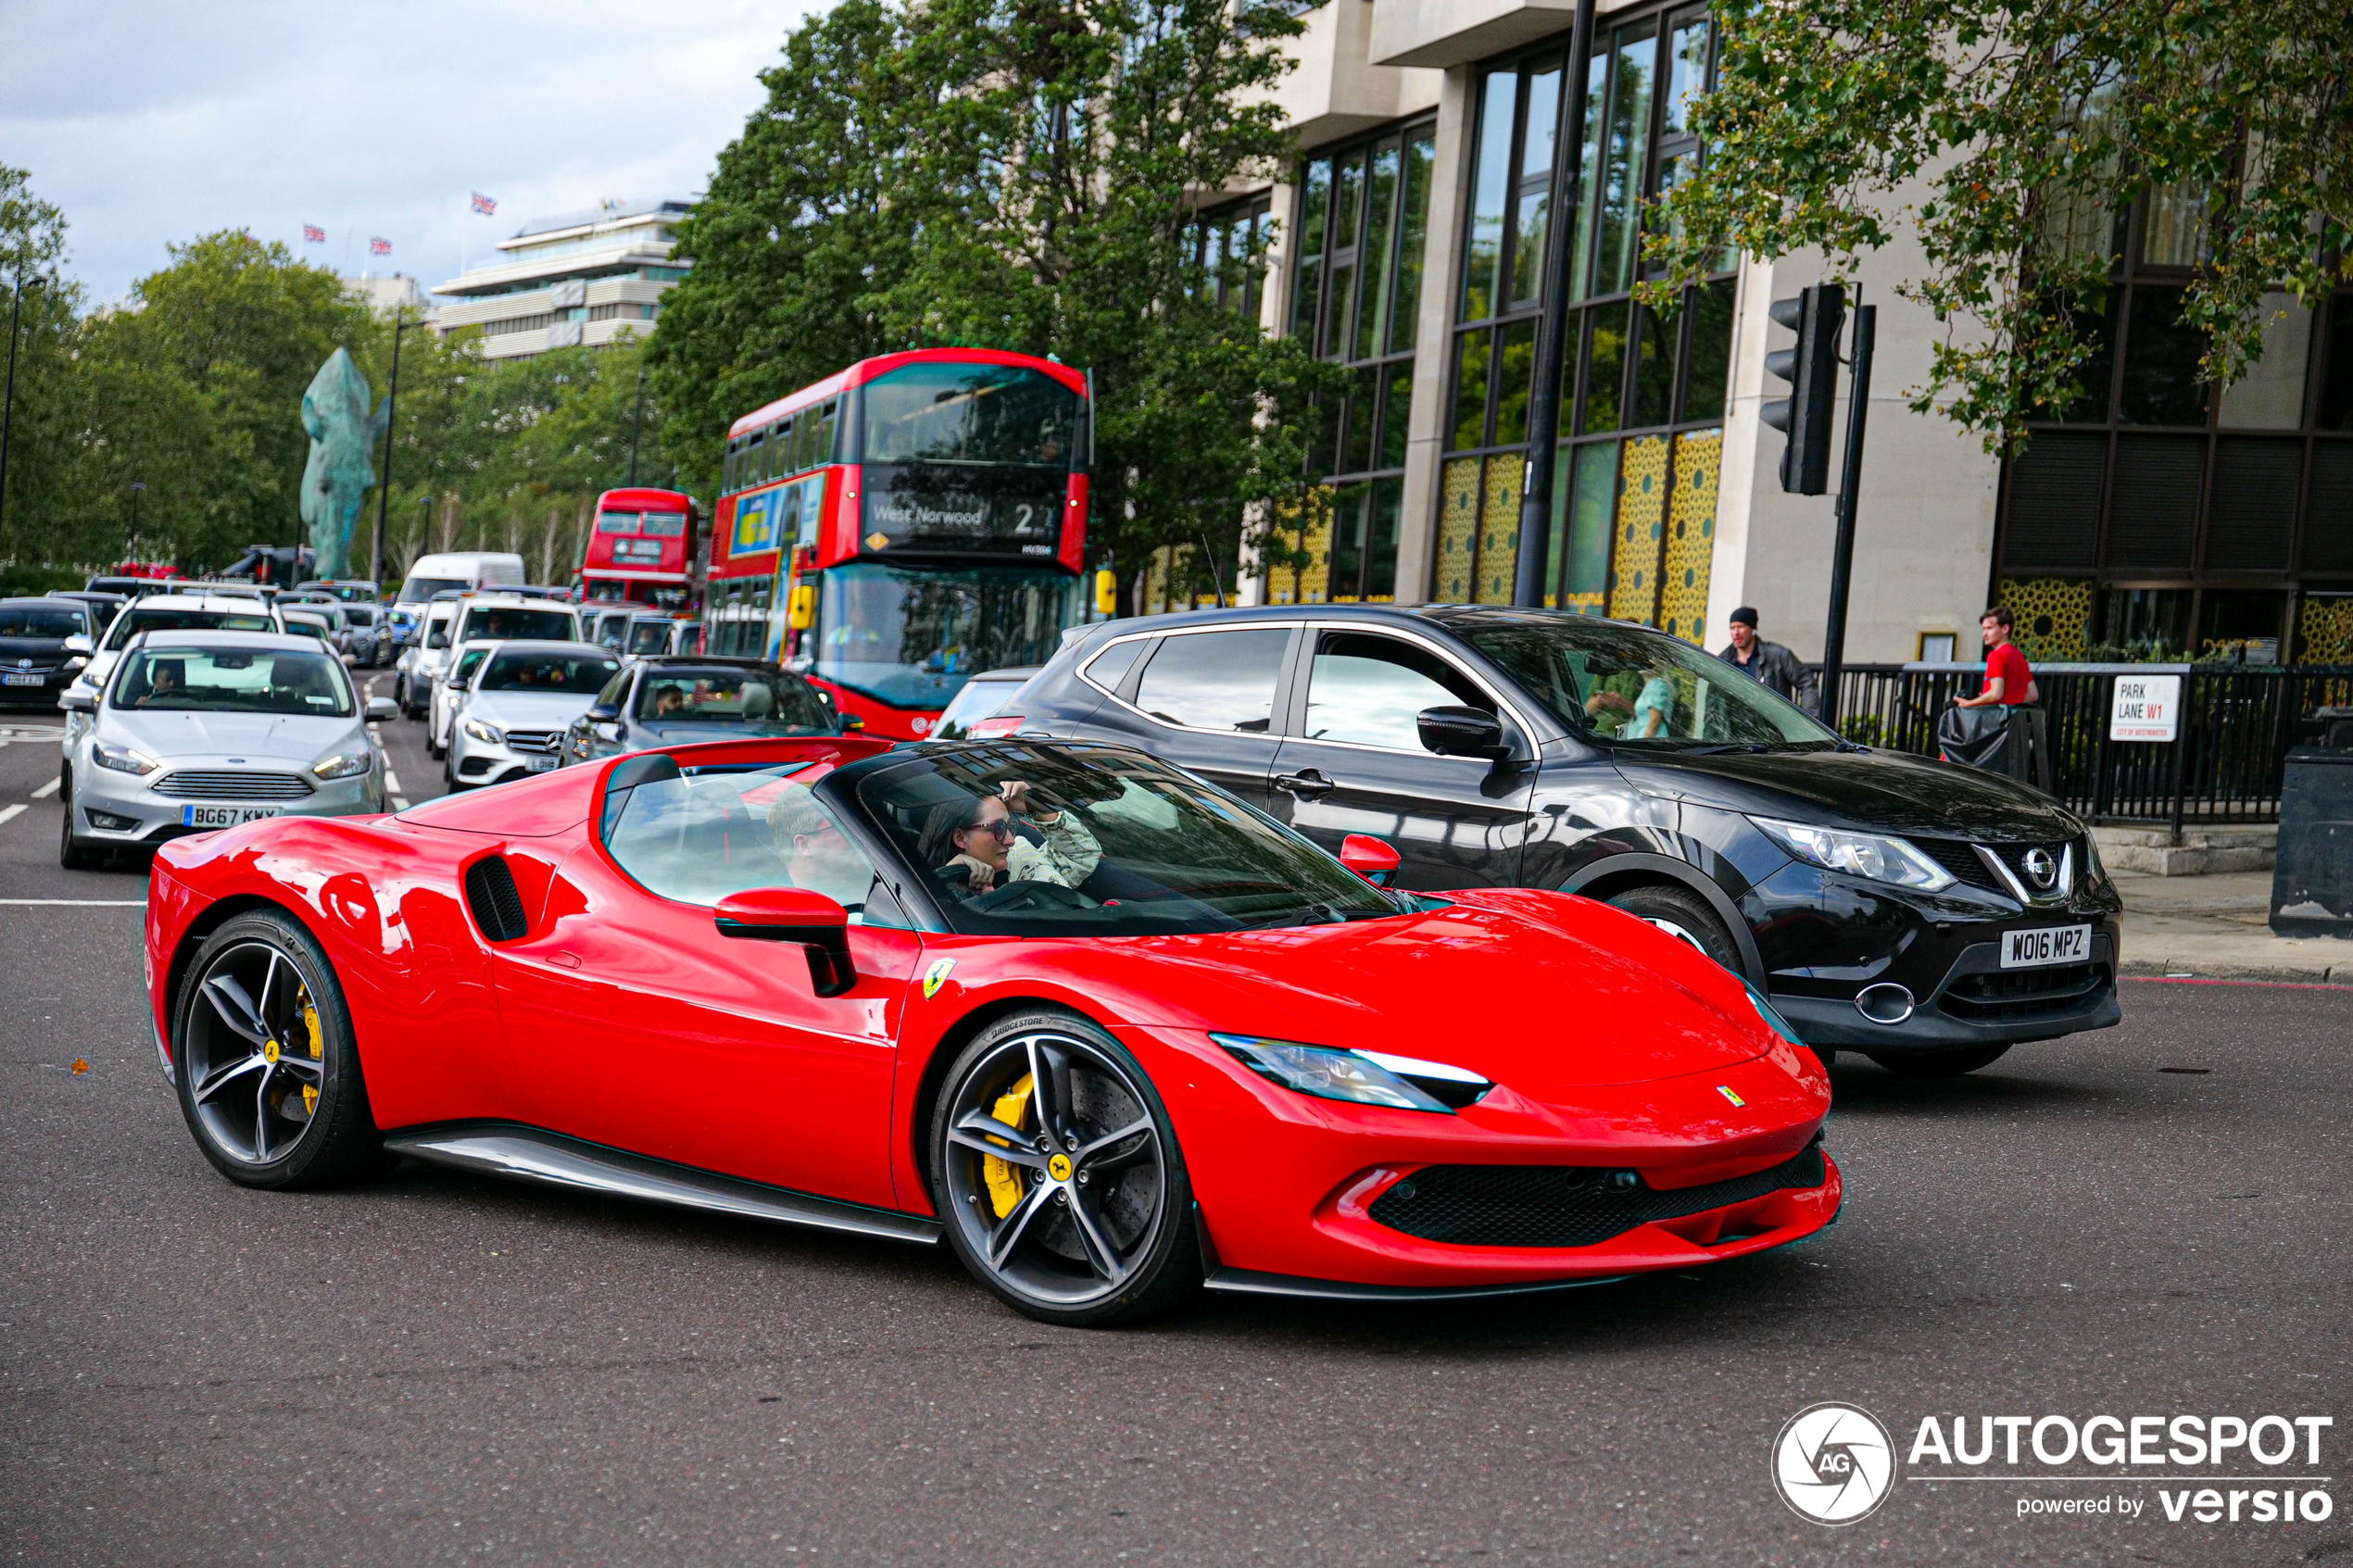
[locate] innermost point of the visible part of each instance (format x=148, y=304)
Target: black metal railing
x=2238, y=722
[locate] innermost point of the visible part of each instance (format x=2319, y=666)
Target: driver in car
x=973, y=841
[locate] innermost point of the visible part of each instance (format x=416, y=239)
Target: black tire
x=1939, y=1064
x=1102, y=1231
x=243, y=1049
x=72, y=854
x=1684, y=916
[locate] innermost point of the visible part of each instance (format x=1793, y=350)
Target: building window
x=1633, y=522
x=2180, y=516
x=1229, y=245
x=1363, y=224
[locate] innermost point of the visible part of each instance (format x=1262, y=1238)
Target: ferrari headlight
x=343, y=765
x=121, y=758
x=489, y=735
x=1360, y=1077
x=1871, y=856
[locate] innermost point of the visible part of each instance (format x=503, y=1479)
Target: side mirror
x=794, y=914
x=1461, y=732
x=1369, y=858
x=382, y=708
x=79, y=702
x=604, y=713
x=78, y=644
x=851, y=724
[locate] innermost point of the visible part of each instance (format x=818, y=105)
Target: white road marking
x=85, y=903
x=46, y=790
x=7, y=811
x=392, y=781
x=400, y=803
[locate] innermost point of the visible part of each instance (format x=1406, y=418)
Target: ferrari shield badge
x=1724, y=1089
x=937, y=976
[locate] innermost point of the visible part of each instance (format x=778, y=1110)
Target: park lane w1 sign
x=2146, y=707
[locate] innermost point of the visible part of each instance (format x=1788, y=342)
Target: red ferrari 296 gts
x=1102, y=1028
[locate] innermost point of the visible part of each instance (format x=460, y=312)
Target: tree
x=42, y=423
x=2008, y=137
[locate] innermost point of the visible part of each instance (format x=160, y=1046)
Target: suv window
x=1216, y=680
x=1370, y=690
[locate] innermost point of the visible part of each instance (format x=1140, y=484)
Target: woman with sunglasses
x=973, y=841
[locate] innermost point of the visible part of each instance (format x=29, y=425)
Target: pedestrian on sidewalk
x=2009, y=680
x=1769, y=664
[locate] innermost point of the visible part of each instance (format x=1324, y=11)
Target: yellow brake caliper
x=318, y=1049
x=1002, y=1176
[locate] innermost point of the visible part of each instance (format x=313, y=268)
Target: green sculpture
x=343, y=443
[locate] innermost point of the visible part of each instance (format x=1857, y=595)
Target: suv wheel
x=1684, y=916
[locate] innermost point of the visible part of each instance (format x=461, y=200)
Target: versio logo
x=1834, y=1463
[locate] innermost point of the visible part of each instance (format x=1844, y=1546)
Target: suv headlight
x=343, y=765
x=489, y=735
x=1871, y=856
x=1360, y=1077
x=121, y=758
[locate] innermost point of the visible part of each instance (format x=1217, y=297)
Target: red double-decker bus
x=638, y=550
x=900, y=527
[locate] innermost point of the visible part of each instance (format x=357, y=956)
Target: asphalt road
x=436, y=1368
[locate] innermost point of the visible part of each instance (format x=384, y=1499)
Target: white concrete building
x=1408, y=236
x=582, y=278
x=397, y=291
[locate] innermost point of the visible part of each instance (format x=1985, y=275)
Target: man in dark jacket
x=1771, y=664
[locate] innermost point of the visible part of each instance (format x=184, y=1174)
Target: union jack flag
x=379, y=247
x=485, y=206
x=312, y=235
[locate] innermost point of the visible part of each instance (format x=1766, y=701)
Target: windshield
x=206, y=680
x=579, y=672
x=649, y=636
x=512, y=622
x=417, y=590
x=699, y=837
x=360, y=615
x=766, y=702
x=937, y=413
x=303, y=626
x=468, y=662
x=1076, y=839
x=1630, y=686
x=39, y=620
x=138, y=618
x=981, y=698
x=912, y=638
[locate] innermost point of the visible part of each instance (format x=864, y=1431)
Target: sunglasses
x=1003, y=829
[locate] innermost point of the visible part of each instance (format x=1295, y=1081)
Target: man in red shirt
x=2007, y=679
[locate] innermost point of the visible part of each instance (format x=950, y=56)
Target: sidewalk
x=2214, y=927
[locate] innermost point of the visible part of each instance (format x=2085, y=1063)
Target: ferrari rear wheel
x=269, y=1075
x=1059, y=1177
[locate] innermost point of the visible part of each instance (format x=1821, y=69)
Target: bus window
x=786, y=443
x=821, y=444
x=616, y=522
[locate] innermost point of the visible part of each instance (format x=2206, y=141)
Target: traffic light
x=1811, y=369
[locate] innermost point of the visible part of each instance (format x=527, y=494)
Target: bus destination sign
x=919, y=508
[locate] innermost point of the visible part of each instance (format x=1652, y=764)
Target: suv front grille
x=1962, y=861
x=1562, y=1204
x=205, y=784
x=2021, y=992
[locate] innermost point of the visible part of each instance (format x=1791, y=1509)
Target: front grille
x=2021, y=992
x=202, y=784
x=2014, y=855
x=1962, y=861
x=1562, y=1204
x=534, y=740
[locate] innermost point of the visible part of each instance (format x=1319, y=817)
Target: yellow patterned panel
x=1457, y=532
x=1690, y=535
x=2325, y=627
x=1642, y=517
x=2054, y=615
x=1499, y=532
x=1315, y=577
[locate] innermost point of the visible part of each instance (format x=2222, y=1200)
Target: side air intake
x=496, y=902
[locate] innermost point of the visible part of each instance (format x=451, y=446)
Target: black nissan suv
x=1927, y=915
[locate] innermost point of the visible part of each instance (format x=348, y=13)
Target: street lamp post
x=637, y=423
x=138, y=487
x=392, y=411
x=9, y=402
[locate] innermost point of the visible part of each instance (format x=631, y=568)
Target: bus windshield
x=946, y=413
x=910, y=638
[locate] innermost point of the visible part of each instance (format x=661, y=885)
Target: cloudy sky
x=153, y=122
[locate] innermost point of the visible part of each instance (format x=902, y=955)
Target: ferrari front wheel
x=268, y=1071
x=1058, y=1174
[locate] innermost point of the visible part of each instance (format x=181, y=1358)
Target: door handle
x=1306, y=784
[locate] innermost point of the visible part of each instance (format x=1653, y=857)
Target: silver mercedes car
x=198, y=730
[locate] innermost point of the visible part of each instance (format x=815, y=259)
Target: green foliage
x=2006, y=137
x=1014, y=174
x=44, y=423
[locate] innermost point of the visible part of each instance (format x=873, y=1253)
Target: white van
x=459, y=570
